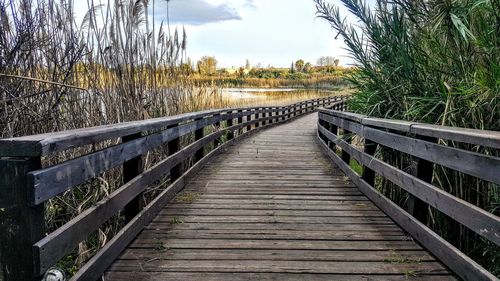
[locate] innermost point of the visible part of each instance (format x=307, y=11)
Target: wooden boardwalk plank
x=274, y=208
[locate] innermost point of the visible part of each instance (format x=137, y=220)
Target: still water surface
x=242, y=97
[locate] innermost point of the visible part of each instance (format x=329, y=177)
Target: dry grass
x=115, y=66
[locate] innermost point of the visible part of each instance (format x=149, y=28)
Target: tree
x=299, y=65
x=307, y=67
x=207, y=65
x=327, y=61
x=241, y=71
x=292, y=68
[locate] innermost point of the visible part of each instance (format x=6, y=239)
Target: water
x=242, y=97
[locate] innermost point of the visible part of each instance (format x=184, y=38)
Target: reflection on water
x=242, y=97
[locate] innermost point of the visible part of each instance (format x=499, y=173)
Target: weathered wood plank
x=20, y=224
x=55, y=245
x=472, y=163
x=272, y=235
x=131, y=169
x=45, y=144
x=324, y=267
x=280, y=255
x=449, y=255
x=268, y=215
x=97, y=265
x=141, y=242
x=372, y=227
x=243, y=212
x=486, y=138
x=473, y=217
x=53, y=180
x=244, y=276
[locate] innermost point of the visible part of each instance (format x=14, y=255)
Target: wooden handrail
x=18, y=155
x=418, y=140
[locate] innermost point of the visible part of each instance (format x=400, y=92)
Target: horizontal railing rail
x=336, y=130
x=27, y=252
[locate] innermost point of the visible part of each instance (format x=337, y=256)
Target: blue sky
x=269, y=32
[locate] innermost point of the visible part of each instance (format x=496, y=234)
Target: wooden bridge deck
x=273, y=207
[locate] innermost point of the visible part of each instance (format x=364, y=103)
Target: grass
x=176, y=220
x=411, y=273
x=161, y=247
x=402, y=260
x=356, y=166
x=187, y=197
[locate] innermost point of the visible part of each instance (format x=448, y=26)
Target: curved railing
x=28, y=252
x=336, y=130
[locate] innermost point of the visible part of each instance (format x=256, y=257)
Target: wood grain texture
x=451, y=256
x=480, y=221
x=459, y=262
x=273, y=207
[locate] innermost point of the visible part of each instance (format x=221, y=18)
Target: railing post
x=264, y=115
x=368, y=175
x=321, y=123
x=21, y=225
x=217, y=141
x=248, y=119
x=345, y=156
x=416, y=207
x=198, y=134
x=240, y=121
x=230, y=133
x=173, y=147
x=131, y=169
x=257, y=116
x=283, y=113
x=334, y=130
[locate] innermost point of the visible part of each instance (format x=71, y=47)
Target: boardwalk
x=274, y=208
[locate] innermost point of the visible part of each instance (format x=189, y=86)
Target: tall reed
x=116, y=65
x=435, y=62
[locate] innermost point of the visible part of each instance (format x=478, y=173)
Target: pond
x=242, y=97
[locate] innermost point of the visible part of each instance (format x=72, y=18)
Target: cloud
x=199, y=12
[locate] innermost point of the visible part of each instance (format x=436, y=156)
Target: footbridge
x=263, y=193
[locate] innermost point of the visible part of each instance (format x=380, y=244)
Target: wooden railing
x=337, y=129
x=27, y=252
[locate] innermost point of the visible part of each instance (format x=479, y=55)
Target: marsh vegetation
x=118, y=64
x=434, y=62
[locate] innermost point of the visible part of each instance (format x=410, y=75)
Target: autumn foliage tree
x=207, y=65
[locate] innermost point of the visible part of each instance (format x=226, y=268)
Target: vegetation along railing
x=27, y=252
x=345, y=135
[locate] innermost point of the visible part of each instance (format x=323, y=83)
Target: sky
x=269, y=32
